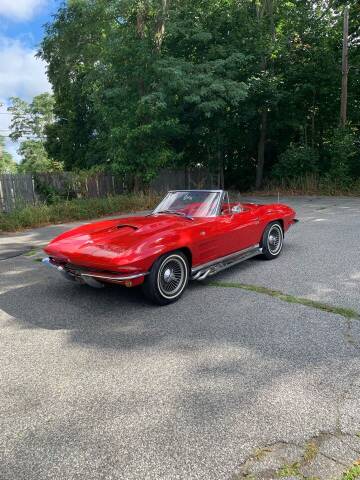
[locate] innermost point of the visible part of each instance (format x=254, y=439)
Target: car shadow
x=224, y=349
x=120, y=318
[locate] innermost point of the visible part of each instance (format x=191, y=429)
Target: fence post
x=33, y=189
x=2, y=200
x=113, y=183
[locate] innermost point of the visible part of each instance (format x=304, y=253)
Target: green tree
x=244, y=87
x=29, y=124
x=7, y=163
x=35, y=158
x=30, y=120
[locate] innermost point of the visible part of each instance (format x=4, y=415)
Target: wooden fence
x=69, y=185
x=17, y=190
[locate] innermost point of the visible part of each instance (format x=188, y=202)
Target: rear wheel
x=272, y=240
x=167, y=279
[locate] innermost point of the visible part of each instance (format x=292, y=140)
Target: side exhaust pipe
x=211, y=268
x=203, y=275
x=92, y=282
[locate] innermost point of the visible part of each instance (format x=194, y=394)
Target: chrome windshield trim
x=223, y=259
x=196, y=190
x=216, y=209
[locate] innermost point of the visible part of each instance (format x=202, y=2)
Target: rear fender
x=277, y=213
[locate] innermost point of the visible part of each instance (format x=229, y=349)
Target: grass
x=344, y=312
x=31, y=252
x=78, y=209
x=311, y=451
x=353, y=473
x=310, y=184
x=261, y=453
x=292, y=470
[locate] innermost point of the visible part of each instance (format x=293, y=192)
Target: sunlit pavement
x=98, y=384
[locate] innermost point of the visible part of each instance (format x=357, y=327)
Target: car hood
x=100, y=242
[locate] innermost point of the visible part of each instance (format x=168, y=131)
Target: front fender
x=145, y=254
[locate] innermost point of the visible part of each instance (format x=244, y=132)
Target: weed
x=311, y=450
x=243, y=476
x=78, y=209
x=292, y=470
x=344, y=312
x=353, y=473
x=31, y=252
x=261, y=453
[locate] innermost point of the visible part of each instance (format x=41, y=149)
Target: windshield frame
x=220, y=194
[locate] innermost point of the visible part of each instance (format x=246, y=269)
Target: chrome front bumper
x=92, y=278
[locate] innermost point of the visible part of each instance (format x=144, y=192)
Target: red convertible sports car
x=191, y=235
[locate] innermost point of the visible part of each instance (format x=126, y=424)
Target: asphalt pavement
x=223, y=385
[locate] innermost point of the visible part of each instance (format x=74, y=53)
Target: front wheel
x=272, y=240
x=167, y=279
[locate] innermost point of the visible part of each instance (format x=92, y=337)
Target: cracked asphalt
x=223, y=385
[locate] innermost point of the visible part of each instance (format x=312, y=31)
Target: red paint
x=131, y=245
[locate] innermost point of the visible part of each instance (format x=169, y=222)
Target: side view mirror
x=236, y=209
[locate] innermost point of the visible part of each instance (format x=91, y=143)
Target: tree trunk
x=345, y=70
x=261, y=150
x=313, y=122
x=264, y=8
x=140, y=20
x=138, y=184
x=220, y=162
x=160, y=25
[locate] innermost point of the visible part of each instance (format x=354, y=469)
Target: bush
x=342, y=158
x=79, y=209
x=296, y=162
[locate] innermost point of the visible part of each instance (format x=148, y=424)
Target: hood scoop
x=126, y=225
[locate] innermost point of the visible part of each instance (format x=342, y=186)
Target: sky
x=21, y=73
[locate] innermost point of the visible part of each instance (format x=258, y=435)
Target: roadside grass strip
x=347, y=313
x=31, y=252
x=76, y=209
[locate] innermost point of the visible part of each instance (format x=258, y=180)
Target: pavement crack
x=346, y=313
x=349, y=336
x=304, y=460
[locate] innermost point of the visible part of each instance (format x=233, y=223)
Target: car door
x=225, y=234
x=240, y=230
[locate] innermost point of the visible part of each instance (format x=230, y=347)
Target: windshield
x=191, y=203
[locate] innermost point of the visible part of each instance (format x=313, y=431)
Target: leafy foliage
x=296, y=161
x=29, y=124
x=229, y=84
x=7, y=163
x=31, y=119
x=35, y=158
x=77, y=209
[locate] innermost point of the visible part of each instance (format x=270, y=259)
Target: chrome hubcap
x=172, y=276
x=272, y=240
x=168, y=275
x=275, y=239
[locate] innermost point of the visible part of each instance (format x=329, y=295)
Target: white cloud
x=20, y=10
x=21, y=74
